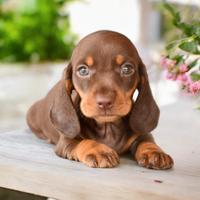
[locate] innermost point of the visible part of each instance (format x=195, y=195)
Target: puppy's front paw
x=98, y=155
x=151, y=156
x=102, y=160
x=155, y=160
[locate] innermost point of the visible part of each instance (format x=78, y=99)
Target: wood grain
x=30, y=165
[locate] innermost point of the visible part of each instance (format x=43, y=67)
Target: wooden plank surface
x=30, y=165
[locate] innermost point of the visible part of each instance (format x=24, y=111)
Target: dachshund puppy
x=90, y=114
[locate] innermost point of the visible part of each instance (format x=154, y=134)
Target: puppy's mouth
x=105, y=115
x=106, y=118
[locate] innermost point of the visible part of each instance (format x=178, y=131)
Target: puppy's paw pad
x=155, y=160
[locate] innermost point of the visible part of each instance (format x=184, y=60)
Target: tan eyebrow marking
x=89, y=61
x=119, y=59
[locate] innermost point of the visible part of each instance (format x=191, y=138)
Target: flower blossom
x=194, y=87
x=183, y=68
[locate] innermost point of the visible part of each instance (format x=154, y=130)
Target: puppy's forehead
x=106, y=44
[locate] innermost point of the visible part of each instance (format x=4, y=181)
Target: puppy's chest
x=114, y=135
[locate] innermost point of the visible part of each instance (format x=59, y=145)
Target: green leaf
x=195, y=29
x=176, y=43
x=190, y=46
x=178, y=58
x=172, y=11
x=193, y=63
x=176, y=15
x=187, y=29
x=171, y=45
x=195, y=76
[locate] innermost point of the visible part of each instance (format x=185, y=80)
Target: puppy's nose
x=105, y=101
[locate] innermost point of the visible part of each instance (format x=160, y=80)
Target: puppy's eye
x=83, y=70
x=127, y=69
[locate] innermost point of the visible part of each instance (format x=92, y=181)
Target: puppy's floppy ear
x=63, y=114
x=145, y=113
x=67, y=76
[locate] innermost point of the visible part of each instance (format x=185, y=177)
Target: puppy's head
x=106, y=70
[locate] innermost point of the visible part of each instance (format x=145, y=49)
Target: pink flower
x=194, y=87
x=170, y=76
x=183, y=68
x=182, y=77
x=170, y=64
x=167, y=63
x=189, y=80
x=163, y=61
x=186, y=79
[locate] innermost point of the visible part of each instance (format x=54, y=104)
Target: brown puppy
x=90, y=114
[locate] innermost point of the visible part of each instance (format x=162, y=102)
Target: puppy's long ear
x=145, y=113
x=63, y=114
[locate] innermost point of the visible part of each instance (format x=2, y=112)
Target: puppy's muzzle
x=105, y=101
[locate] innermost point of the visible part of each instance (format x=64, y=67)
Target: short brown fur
x=91, y=116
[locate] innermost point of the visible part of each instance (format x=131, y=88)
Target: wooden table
x=28, y=164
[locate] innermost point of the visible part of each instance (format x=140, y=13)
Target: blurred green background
x=35, y=30
x=39, y=30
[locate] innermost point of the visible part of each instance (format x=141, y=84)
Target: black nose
x=105, y=101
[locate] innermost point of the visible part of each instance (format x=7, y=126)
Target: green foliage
x=37, y=30
x=182, y=58
x=190, y=41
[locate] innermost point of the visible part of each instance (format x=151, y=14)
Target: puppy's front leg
x=148, y=154
x=89, y=152
x=65, y=147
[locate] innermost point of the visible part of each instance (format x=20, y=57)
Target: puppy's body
x=116, y=135
x=90, y=114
